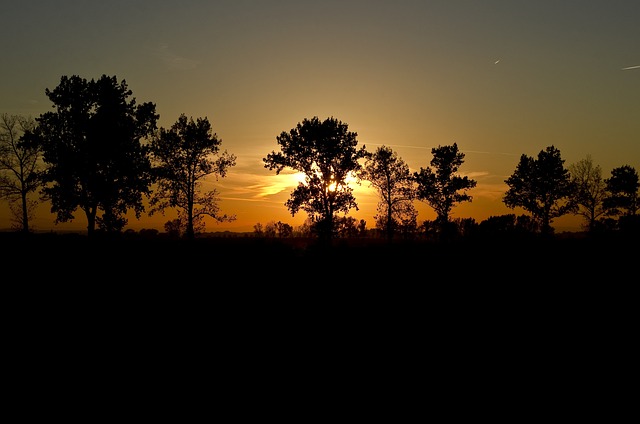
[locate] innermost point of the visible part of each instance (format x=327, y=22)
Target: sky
x=500, y=78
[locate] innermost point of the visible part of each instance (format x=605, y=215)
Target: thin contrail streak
x=630, y=67
x=399, y=145
x=490, y=153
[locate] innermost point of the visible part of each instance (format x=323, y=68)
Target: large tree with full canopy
x=441, y=186
x=93, y=148
x=622, y=186
x=326, y=153
x=542, y=187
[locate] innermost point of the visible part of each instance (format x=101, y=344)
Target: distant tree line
x=101, y=153
x=325, y=152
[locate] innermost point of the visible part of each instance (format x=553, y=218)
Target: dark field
x=251, y=260
x=553, y=302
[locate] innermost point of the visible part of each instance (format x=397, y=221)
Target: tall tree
x=591, y=190
x=326, y=153
x=93, y=150
x=623, y=186
x=19, y=166
x=442, y=187
x=183, y=156
x=542, y=187
x=394, y=183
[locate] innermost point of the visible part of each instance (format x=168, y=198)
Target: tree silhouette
x=441, y=187
x=93, y=152
x=591, y=190
x=325, y=152
x=19, y=167
x=273, y=229
x=183, y=156
x=508, y=225
x=542, y=187
x=622, y=186
x=394, y=183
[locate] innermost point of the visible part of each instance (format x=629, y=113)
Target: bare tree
x=591, y=190
x=19, y=173
x=258, y=230
x=394, y=183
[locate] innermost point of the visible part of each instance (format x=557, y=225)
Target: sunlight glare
x=281, y=183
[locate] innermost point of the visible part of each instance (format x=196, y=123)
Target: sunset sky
x=500, y=78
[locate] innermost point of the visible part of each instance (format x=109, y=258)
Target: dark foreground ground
x=547, y=314
x=270, y=275
x=233, y=278
x=75, y=258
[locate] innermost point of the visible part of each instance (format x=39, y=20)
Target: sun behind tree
x=325, y=152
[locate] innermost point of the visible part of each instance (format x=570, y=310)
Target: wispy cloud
x=248, y=186
x=631, y=67
x=173, y=61
x=493, y=192
x=429, y=148
x=475, y=174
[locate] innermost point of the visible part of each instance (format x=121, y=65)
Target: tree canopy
x=622, y=187
x=326, y=153
x=93, y=151
x=394, y=183
x=183, y=156
x=542, y=187
x=440, y=185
